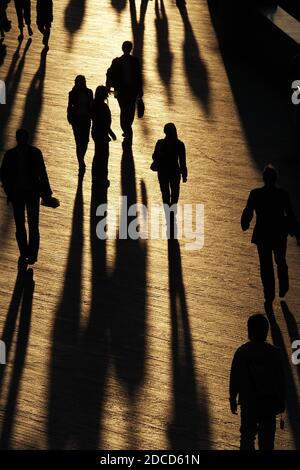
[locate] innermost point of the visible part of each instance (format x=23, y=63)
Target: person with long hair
x=101, y=134
x=79, y=116
x=169, y=160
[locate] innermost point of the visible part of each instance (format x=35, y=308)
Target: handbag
x=154, y=166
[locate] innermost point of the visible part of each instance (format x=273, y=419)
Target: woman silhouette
x=101, y=133
x=169, y=160
x=79, y=116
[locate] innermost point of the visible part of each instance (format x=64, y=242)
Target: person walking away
x=101, y=134
x=79, y=116
x=169, y=160
x=25, y=181
x=125, y=77
x=275, y=220
x=257, y=384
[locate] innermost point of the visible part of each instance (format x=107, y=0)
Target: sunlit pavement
x=128, y=344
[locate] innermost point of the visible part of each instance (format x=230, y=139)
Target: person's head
x=258, y=327
x=270, y=175
x=101, y=93
x=22, y=137
x=80, y=81
x=170, y=131
x=127, y=47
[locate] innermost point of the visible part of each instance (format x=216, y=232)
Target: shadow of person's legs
x=195, y=67
x=129, y=297
x=292, y=401
x=189, y=426
x=63, y=373
x=11, y=318
x=19, y=361
x=93, y=360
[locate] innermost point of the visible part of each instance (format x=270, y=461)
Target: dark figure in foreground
x=25, y=181
x=23, y=10
x=125, y=77
x=44, y=18
x=275, y=220
x=169, y=160
x=79, y=116
x=257, y=378
x=101, y=133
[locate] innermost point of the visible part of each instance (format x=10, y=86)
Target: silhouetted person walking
x=44, y=18
x=79, y=116
x=125, y=77
x=169, y=160
x=274, y=221
x=23, y=10
x=257, y=379
x=101, y=133
x=25, y=181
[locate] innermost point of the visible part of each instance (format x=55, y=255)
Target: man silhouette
x=257, y=379
x=125, y=77
x=275, y=220
x=25, y=181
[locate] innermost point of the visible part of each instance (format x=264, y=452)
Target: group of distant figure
x=44, y=18
x=257, y=375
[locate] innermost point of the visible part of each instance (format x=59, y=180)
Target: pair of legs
x=127, y=111
x=265, y=253
x=28, y=245
x=251, y=426
x=170, y=187
x=45, y=29
x=23, y=10
x=81, y=130
x=100, y=161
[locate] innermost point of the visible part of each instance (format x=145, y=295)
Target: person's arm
x=112, y=134
x=70, y=109
x=157, y=151
x=234, y=383
x=111, y=74
x=182, y=161
x=140, y=90
x=108, y=124
x=293, y=224
x=156, y=156
x=45, y=188
x=91, y=101
x=5, y=177
x=247, y=214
